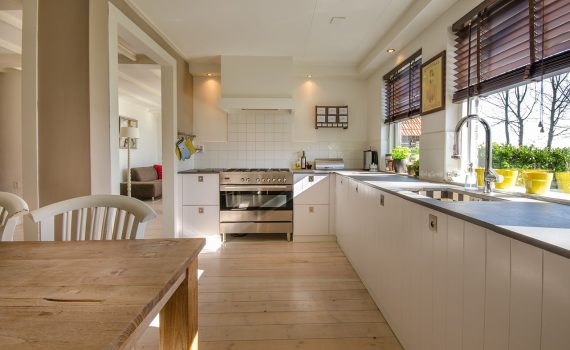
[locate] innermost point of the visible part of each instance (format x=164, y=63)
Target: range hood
x=258, y=83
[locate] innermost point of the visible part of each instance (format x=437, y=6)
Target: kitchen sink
x=455, y=195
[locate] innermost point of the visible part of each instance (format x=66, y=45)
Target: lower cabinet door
x=311, y=219
x=200, y=221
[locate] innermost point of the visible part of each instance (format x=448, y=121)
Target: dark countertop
x=202, y=171
x=541, y=224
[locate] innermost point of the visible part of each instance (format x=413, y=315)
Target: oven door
x=246, y=198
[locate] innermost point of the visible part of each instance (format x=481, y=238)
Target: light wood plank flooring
x=271, y=294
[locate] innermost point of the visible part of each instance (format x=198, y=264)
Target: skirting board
x=315, y=238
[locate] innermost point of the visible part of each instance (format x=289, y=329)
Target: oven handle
x=250, y=188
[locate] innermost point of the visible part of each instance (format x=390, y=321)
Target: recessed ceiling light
x=309, y=76
x=391, y=50
x=210, y=74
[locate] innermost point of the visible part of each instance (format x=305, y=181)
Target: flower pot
x=537, y=182
x=480, y=177
x=510, y=179
x=411, y=171
x=563, y=180
x=400, y=166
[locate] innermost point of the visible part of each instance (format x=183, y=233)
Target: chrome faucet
x=489, y=175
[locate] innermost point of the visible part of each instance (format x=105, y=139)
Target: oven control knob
x=284, y=180
x=278, y=180
x=242, y=179
x=275, y=180
x=257, y=180
x=247, y=180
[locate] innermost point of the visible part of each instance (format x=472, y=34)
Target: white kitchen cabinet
x=311, y=189
x=201, y=189
x=474, y=246
x=497, y=291
x=311, y=219
x=525, y=297
x=556, y=302
x=454, y=289
x=311, y=205
x=200, y=221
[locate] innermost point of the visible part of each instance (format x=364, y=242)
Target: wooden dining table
x=98, y=294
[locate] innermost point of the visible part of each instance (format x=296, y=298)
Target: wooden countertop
x=95, y=294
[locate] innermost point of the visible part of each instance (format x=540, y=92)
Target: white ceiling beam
x=139, y=83
x=145, y=101
x=378, y=53
x=10, y=46
x=10, y=19
x=126, y=51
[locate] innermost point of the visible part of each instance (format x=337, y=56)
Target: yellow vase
x=537, y=182
x=510, y=179
x=563, y=180
x=480, y=176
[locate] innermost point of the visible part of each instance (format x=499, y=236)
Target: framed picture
x=321, y=110
x=331, y=118
x=124, y=121
x=331, y=110
x=433, y=84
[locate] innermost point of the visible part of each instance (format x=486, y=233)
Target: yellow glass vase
x=563, y=180
x=537, y=181
x=510, y=179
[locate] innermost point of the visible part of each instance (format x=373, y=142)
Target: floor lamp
x=129, y=133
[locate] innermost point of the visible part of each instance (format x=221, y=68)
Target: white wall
x=437, y=128
x=11, y=132
x=149, y=150
x=275, y=138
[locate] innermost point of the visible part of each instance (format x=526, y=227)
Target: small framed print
x=433, y=84
x=321, y=118
x=131, y=122
x=321, y=110
x=331, y=110
x=331, y=118
x=343, y=111
x=343, y=118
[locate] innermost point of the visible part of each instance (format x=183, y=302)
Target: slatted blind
x=403, y=89
x=512, y=41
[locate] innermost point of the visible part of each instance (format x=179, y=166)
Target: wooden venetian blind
x=403, y=89
x=511, y=41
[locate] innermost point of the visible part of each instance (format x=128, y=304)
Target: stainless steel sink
x=455, y=195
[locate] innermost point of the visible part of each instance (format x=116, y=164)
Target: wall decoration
x=433, y=84
x=331, y=117
x=124, y=121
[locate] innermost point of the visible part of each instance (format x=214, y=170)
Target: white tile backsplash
x=264, y=139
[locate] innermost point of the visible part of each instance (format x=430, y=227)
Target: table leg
x=179, y=317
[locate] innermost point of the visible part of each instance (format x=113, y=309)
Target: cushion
x=158, y=168
x=146, y=173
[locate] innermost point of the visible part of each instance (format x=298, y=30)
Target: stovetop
x=251, y=176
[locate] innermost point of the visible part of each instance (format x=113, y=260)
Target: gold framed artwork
x=433, y=84
x=125, y=121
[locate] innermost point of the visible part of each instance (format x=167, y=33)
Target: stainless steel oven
x=256, y=201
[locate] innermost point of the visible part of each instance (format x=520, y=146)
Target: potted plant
x=400, y=155
x=416, y=168
x=560, y=164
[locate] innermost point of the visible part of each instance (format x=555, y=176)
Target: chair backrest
x=11, y=207
x=96, y=217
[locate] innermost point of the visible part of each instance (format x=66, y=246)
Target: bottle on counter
x=303, y=161
x=470, y=178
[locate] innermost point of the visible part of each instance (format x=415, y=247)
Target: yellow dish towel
x=190, y=146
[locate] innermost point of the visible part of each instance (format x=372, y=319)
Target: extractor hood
x=258, y=83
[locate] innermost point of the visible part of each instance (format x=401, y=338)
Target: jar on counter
x=389, y=162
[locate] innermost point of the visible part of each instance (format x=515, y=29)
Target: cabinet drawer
x=200, y=189
x=311, y=220
x=200, y=221
x=311, y=189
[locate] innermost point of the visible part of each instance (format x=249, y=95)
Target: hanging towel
x=190, y=146
x=184, y=152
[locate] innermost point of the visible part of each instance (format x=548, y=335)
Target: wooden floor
x=265, y=293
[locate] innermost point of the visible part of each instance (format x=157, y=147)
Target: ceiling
x=10, y=38
x=140, y=84
x=298, y=28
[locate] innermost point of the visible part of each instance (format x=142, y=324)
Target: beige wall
x=63, y=100
x=11, y=132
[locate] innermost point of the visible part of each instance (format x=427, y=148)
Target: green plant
x=527, y=157
x=416, y=167
x=400, y=152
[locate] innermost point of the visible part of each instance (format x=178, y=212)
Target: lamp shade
x=129, y=131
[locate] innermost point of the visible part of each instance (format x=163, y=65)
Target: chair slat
x=96, y=217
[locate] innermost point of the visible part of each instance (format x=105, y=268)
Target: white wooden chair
x=96, y=217
x=11, y=207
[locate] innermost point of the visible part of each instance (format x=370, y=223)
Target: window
x=403, y=89
x=409, y=132
x=509, y=42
